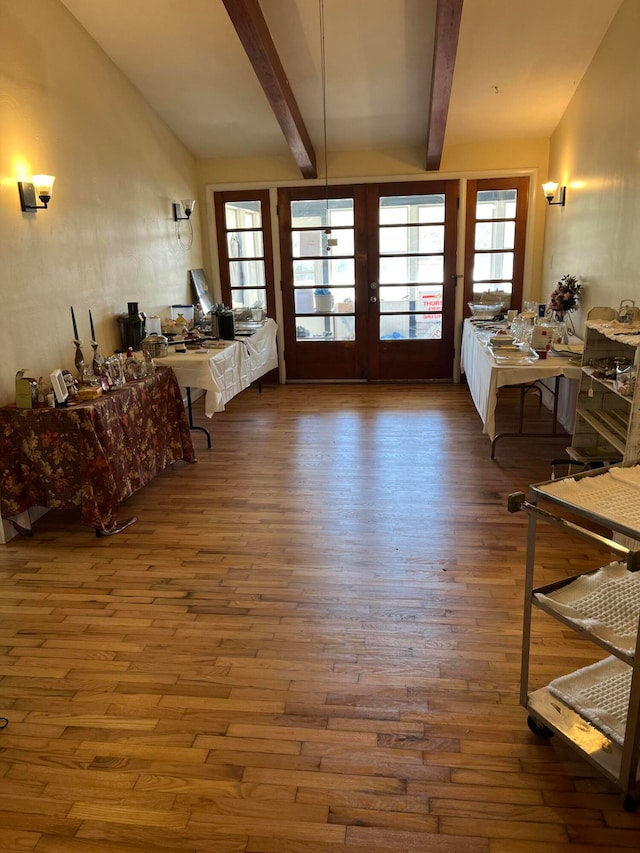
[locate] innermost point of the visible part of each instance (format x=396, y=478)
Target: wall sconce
x=187, y=204
x=40, y=184
x=550, y=189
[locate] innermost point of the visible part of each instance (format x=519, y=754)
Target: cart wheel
x=538, y=729
x=629, y=804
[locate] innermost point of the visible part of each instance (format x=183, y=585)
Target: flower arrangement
x=565, y=296
x=322, y=291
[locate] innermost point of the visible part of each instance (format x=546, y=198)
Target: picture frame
x=60, y=390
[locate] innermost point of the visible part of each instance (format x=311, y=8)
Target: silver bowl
x=485, y=310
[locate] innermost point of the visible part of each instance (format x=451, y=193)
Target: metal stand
x=528, y=386
x=548, y=714
x=191, y=424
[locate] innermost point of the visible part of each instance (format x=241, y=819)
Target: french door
x=368, y=281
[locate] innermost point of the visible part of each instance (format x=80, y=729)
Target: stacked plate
x=502, y=339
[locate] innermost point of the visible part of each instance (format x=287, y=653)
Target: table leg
x=191, y=424
x=524, y=387
x=556, y=397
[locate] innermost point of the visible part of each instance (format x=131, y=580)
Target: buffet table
x=485, y=377
x=94, y=454
x=227, y=368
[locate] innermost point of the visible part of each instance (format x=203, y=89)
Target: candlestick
x=75, y=328
x=79, y=360
x=93, y=331
x=97, y=359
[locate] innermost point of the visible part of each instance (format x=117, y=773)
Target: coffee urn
x=226, y=325
x=131, y=327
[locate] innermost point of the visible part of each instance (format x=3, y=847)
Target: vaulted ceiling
x=246, y=78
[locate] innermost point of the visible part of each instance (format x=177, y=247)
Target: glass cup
x=113, y=366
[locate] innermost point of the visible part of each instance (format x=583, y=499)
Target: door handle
x=373, y=299
x=374, y=285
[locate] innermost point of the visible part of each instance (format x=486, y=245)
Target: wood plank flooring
x=309, y=643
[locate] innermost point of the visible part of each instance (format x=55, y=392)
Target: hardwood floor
x=309, y=643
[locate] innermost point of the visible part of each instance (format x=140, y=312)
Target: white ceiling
x=518, y=64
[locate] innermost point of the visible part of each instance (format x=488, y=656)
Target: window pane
x=338, y=299
x=305, y=243
x=248, y=298
x=412, y=238
x=482, y=287
x=433, y=211
x=245, y=244
x=410, y=298
x=430, y=298
x=325, y=272
x=243, y=214
x=493, y=266
x=247, y=273
x=332, y=328
x=412, y=208
x=306, y=214
x=400, y=298
x=496, y=204
x=495, y=235
x=412, y=270
x=400, y=327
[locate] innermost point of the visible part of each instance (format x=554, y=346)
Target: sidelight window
x=495, y=238
x=244, y=243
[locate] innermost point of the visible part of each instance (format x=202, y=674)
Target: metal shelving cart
x=596, y=710
x=607, y=422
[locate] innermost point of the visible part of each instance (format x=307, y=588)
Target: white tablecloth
x=485, y=377
x=224, y=372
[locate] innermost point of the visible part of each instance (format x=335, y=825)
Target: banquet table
x=225, y=368
x=92, y=455
x=485, y=377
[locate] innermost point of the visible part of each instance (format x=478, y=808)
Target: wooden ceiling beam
x=448, y=15
x=251, y=27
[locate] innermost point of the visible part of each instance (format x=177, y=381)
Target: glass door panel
x=321, y=281
x=322, y=247
x=413, y=289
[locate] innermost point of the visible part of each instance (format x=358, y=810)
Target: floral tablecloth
x=93, y=455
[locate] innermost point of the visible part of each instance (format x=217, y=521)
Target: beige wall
x=595, y=151
x=488, y=157
x=108, y=237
